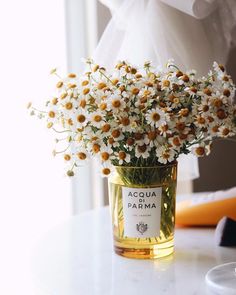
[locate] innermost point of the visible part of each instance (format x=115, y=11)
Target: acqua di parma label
x=142, y=212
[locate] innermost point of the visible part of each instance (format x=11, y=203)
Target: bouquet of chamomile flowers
x=138, y=117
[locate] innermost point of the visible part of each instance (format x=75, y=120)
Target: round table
x=77, y=258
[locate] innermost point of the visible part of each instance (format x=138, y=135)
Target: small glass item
x=142, y=204
x=221, y=279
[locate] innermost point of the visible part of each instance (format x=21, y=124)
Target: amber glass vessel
x=142, y=204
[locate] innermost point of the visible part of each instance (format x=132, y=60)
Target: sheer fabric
x=194, y=33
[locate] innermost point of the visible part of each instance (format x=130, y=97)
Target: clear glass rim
x=175, y=163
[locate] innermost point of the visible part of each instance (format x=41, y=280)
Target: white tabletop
x=77, y=258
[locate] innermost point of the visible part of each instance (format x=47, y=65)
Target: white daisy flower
x=153, y=139
x=204, y=106
x=165, y=155
x=192, y=90
x=225, y=131
x=175, y=101
x=116, y=103
x=176, y=142
x=82, y=103
x=123, y=157
x=214, y=130
x=164, y=130
x=67, y=157
x=107, y=169
x=94, y=144
x=200, y=121
x=117, y=134
x=156, y=117
x=105, y=154
x=147, y=92
x=101, y=96
x=142, y=151
x=126, y=123
x=80, y=119
x=52, y=113
x=130, y=144
x=82, y=156
x=106, y=129
x=201, y=150
x=219, y=69
x=140, y=138
x=68, y=108
x=96, y=119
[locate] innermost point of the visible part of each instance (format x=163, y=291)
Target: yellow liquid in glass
x=145, y=248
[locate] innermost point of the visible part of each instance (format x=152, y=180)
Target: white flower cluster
x=140, y=117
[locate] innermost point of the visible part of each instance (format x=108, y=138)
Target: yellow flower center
x=226, y=92
x=166, y=83
x=86, y=91
x=97, y=118
x=142, y=148
x=184, y=112
x=221, y=114
x=96, y=148
x=81, y=118
x=176, y=141
x=70, y=86
x=49, y=125
x=71, y=75
x=68, y=105
x=106, y=171
x=64, y=95
x=81, y=156
x=176, y=100
x=106, y=127
x=215, y=128
x=84, y=83
x=166, y=155
x=103, y=106
x=205, y=108
x=125, y=121
x=225, y=132
x=115, y=81
x=185, y=78
x=105, y=156
x=180, y=126
x=200, y=151
x=59, y=84
x=146, y=93
x=156, y=117
x=116, y=103
x=115, y=133
x=82, y=103
x=54, y=101
x=122, y=155
x=101, y=85
x=207, y=91
x=218, y=103
x=130, y=141
x=70, y=122
x=111, y=140
x=135, y=91
x=51, y=114
x=138, y=135
x=210, y=119
x=201, y=120
x=67, y=157
x=152, y=135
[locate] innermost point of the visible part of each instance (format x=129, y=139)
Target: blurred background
x=37, y=36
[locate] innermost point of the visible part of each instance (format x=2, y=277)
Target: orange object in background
x=206, y=210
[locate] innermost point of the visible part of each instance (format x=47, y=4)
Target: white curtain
x=195, y=33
